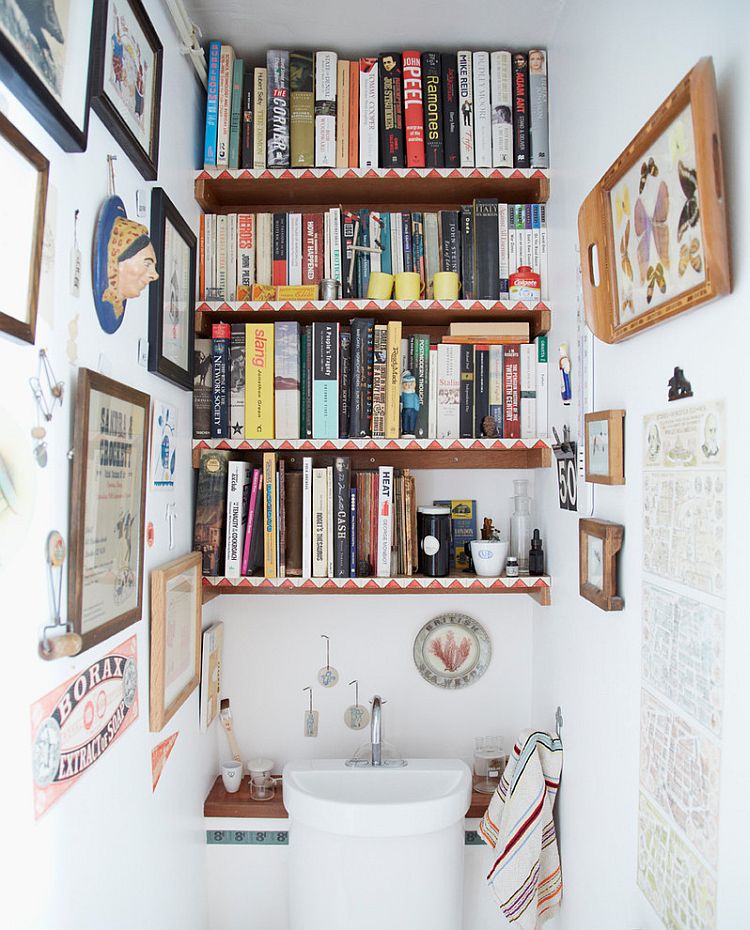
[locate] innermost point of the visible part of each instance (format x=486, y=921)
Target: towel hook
x=558, y=721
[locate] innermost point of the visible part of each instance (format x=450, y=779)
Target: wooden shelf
x=225, y=191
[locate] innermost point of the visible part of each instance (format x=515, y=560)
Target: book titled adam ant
x=391, y=111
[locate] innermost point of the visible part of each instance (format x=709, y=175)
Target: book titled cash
x=325, y=109
x=385, y=520
x=502, y=109
x=341, y=499
x=278, y=126
x=302, y=109
x=368, y=113
x=465, y=109
x=538, y=109
x=238, y=499
x=260, y=103
x=482, y=110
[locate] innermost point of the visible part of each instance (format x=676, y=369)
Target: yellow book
x=342, y=114
x=297, y=292
x=269, y=514
x=259, y=400
x=393, y=381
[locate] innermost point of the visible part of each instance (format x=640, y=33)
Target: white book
x=465, y=108
x=433, y=395
x=238, y=497
x=286, y=379
x=294, y=248
x=501, y=94
x=543, y=254
x=307, y=491
x=431, y=250
x=210, y=693
x=448, y=391
x=319, y=523
x=329, y=521
x=542, y=376
x=405, y=366
x=482, y=110
x=397, y=243
x=326, y=66
x=536, y=237
x=327, y=245
x=226, y=69
x=512, y=240
x=209, y=255
x=260, y=103
x=220, y=282
x=385, y=520
x=335, y=232
x=502, y=239
x=528, y=390
x=245, y=255
x=375, y=221
x=231, y=288
x=368, y=113
x=263, y=249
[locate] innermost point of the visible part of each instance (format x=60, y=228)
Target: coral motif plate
x=452, y=651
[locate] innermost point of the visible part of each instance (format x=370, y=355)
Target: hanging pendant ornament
x=48, y=392
x=311, y=717
x=66, y=643
x=75, y=260
x=356, y=717
x=328, y=676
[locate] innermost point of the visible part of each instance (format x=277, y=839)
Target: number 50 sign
x=567, y=475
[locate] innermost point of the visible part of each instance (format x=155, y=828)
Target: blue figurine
x=409, y=404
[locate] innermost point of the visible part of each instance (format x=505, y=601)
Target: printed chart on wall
x=682, y=654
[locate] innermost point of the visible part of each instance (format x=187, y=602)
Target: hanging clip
x=111, y=159
x=311, y=717
x=328, y=676
x=356, y=717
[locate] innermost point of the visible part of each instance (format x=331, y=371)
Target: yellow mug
x=445, y=285
x=380, y=286
x=409, y=286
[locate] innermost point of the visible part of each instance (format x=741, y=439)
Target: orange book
x=264, y=292
x=354, y=114
x=202, y=265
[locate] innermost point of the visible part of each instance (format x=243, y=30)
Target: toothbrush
x=225, y=715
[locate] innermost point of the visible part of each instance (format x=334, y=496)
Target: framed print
x=452, y=651
x=653, y=232
x=45, y=50
x=599, y=542
x=25, y=173
x=105, y=572
x=171, y=330
x=604, y=447
x=175, y=636
x=126, y=80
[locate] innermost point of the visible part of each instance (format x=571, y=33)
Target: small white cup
x=488, y=556
x=231, y=775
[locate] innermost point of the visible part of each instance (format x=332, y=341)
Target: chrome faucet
x=376, y=731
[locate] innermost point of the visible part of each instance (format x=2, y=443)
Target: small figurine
x=409, y=404
x=565, y=389
x=679, y=386
x=489, y=427
x=489, y=533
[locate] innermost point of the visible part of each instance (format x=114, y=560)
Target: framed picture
x=105, y=572
x=653, y=232
x=175, y=636
x=171, y=330
x=25, y=172
x=45, y=50
x=126, y=80
x=599, y=543
x=605, y=462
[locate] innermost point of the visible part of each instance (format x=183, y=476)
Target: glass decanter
x=520, y=524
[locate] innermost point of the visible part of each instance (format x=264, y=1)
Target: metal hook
x=75, y=227
x=309, y=688
x=328, y=649
x=355, y=682
x=558, y=721
x=111, y=159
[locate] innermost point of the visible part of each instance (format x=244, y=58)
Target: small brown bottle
x=536, y=555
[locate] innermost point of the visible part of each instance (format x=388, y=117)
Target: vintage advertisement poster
x=159, y=756
x=180, y=657
x=74, y=725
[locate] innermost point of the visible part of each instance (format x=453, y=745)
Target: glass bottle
x=520, y=524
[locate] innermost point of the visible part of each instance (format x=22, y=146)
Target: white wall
x=109, y=853
x=610, y=68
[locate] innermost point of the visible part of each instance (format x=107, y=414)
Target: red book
x=354, y=114
x=279, y=247
x=511, y=393
x=312, y=248
x=413, y=110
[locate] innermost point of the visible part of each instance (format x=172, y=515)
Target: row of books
x=484, y=242
x=326, y=522
x=399, y=109
x=285, y=380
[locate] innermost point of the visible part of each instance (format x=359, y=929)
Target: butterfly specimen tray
x=653, y=232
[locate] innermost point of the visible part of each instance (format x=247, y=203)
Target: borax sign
x=74, y=725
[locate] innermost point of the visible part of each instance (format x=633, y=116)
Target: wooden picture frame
x=171, y=307
x=604, y=447
x=176, y=607
x=107, y=508
x=126, y=80
x=27, y=173
x=599, y=542
x=653, y=231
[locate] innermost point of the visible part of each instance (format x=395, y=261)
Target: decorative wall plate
x=452, y=651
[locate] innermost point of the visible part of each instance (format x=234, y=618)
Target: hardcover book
x=413, y=110
x=202, y=388
x=277, y=123
x=431, y=251
x=341, y=501
x=379, y=380
x=359, y=423
x=368, y=113
x=226, y=74
x=330, y=521
x=230, y=289
x=312, y=248
x=280, y=246
x=345, y=376
x=486, y=250
x=235, y=118
x=520, y=111
x=245, y=255
x=237, y=381
x=502, y=109
x=264, y=248
x=325, y=109
x=293, y=523
x=343, y=72
x=503, y=253
x=238, y=499
x=466, y=108
x=466, y=414
x=319, y=523
x=542, y=375
x=325, y=380
x=385, y=520
x=294, y=249
x=417, y=248
x=433, y=112
x=448, y=391
x=210, y=508
x=221, y=334
x=407, y=241
x=527, y=407
x=466, y=223
x=302, y=109
x=538, y=109
x=247, y=133
x=286, y=379
x=391, y=111
x=349, y=223
x=307, y=516
x=247, y=567
x=260, y=106
x=212, y=104
x=393, y=379
x=354, y=114
x=481, y=388
x=451, y=124
x=496, y=387
x=511, y=393
x=450, y=241
x=259, y=400
x=482, y=110
x=420, y=354
x=220, y=278
x=433, y=392
x=270, y=552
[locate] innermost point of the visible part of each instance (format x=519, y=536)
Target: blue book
x=353, y=533
x=212, y=104
x=386, y=264
x=325, y=364
x=408, y=255
x=236, y=113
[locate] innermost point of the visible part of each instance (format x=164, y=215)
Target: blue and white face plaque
x=328, y=676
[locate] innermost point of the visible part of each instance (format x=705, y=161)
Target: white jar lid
x=260, y=765
x=434, y=511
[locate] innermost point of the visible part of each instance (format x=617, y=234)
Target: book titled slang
x=325, y=380
x=278, y=121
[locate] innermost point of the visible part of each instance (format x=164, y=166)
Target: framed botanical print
x=653, y=232
x=45, y=49
x=25, y=173
x=107, y=507
x=126, y=80
x=171, y=331
x=604, y=447
x=175, y=636
x=599, y=542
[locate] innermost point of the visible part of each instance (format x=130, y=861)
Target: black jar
x=434, y=531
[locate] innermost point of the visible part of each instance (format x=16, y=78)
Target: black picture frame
x=163, y=211
x=147, y=162
x=20, y=77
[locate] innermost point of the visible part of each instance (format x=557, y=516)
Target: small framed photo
x=126, y=80
x=175, y=636
x=605, y=461
x=25, y=172
x=171, y=329
x=599, y=542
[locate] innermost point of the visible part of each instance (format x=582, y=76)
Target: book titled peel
x=259, y=399
x=325, y=109
x=413, y=109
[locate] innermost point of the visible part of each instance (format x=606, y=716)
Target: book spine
x=281, y=519
x=237, y=381
x=263, y=248
x=536, y=239
x=330, y=522
x=482, y=110
x=353, y=532
x=349, y=223
x=280, y=246
x=325, y=109
x=502, y=110
x=385, y=520
x=450, y=235
x=448, y=392
x=341, y=503
x=420, y=370
x=231, y=274
x=467, y=251
x=520, y=111
x=376, y=226
x=212, y=104
x=259, y=401
x=527, y=408
x=366, y=381
x=511, y=392
x=325, y=380
x=502, y=246
x=210, y=509
x=309, y=378
x=245, y=255
x=277, y=120
x=397, y=243
x=202, y=388
x=260, y=122
x=238, y=493
x=226, y=75
x=512, y=242
x=250, y=526
x=486, y=250
x=393, y=379
x=433, y=114
x=391, y=109
x=302, y=109
x=307, y=497
x=451, y=125
x=235, y=119
x=466, y=108
x=319, y=523
x=358, y=425
x=408, y=250
x=294, y=249
x=496, y=387
x=431, y=251
x=543, y=253
x=433, y=404
x=538, y=109
x=209, y=255
x=345, y=374
x=368, y=112
x=379, y=380
x=362, y=259
x=413, y=110
x=528, y=236
x=353, y=114
x=247, y=132
x=335, y=247
x=312, y=248
x=481, y=388
x=343, y=72
x=542, y=376
x=417, y=246
x=286, y=379
x=220, y=279
x=466, y=417
x=221, y=334
x=269, y=515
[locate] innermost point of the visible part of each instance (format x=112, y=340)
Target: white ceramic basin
x=422, y=797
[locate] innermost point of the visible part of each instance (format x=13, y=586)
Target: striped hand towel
x=518, y=825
